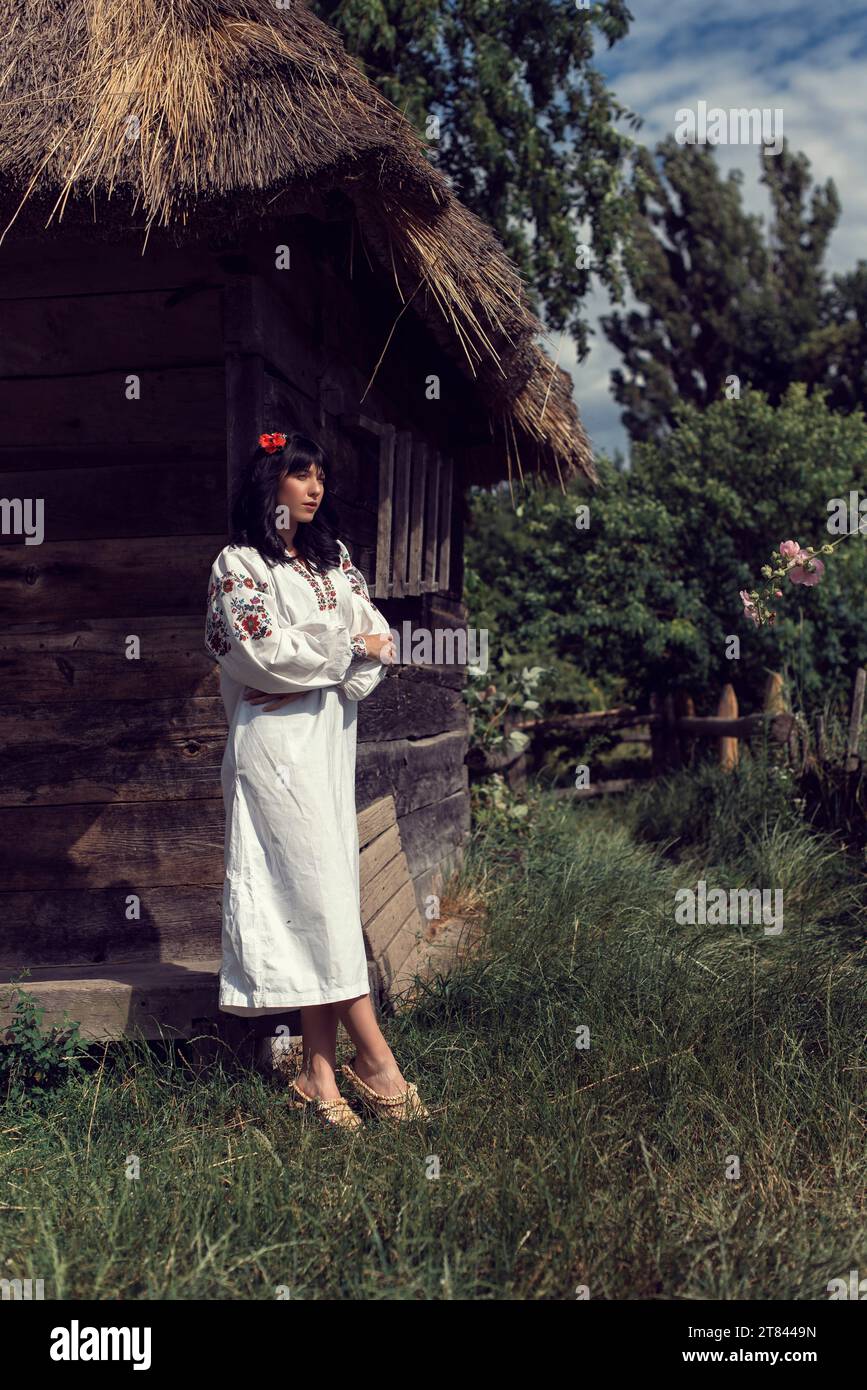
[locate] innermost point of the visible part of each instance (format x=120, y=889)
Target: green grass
x=558, y=1167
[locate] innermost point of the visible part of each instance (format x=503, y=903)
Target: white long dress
x=292, y=932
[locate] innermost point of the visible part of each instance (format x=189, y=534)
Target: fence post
x=685, y=706
x=774, y=702
x=658, y=740
x=728, y=747
x=673, y=755
x=855, y=717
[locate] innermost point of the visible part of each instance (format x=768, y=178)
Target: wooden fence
x=672, y=727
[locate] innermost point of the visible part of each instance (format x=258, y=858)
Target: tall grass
x=549, y=1166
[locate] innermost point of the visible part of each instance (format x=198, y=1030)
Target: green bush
x=646, y=597
x=33, y=1062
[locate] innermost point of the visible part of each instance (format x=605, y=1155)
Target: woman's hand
x=379, y=646
x=258, y=697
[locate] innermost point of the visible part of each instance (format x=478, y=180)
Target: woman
x=299, y=644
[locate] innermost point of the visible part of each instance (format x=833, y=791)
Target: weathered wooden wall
x=110, y=765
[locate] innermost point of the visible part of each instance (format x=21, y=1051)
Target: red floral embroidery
x=249, y=615
x=325, y=601
x=357, y=581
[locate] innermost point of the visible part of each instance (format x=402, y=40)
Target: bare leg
x=319, y=1032
x=374, y=1060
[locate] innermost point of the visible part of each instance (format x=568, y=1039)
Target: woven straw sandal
x=407, y=1106
x=333, y=1114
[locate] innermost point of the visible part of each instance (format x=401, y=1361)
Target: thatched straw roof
x=235, y=98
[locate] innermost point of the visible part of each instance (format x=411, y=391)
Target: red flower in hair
x=272, y=442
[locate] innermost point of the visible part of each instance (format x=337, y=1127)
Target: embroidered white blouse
x=292, y=932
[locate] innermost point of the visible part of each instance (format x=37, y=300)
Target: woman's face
x=300, y=494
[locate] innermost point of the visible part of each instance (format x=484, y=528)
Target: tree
x=527, y=131
x=647, y=597
x=718, y=299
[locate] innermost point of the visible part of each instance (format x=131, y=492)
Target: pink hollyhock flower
x=790, y=550
x=799, y=575
x=750, y=610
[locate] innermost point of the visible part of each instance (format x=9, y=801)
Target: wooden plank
x=90, y=503
x=400, y=513
x=416, y=524
x=384, y=925
x=375, y=819
x=88, y=661
x=188, y=456
x=244, y=377
x=176, y=405
x=138, y=845
x=276, y=331
x=374, y=857
x=149, y=575
x=58, y=927
x=398, y=950
x=153, y=1000
x=71, y=265
x=355, y=423
x=432, y=503
x=381, y=888
x=110, y=750
x=445, y=533
x=131, y=332
x=382, y=587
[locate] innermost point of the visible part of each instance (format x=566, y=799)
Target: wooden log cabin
x=213, y=225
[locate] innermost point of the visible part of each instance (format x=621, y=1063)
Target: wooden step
x=152, y=999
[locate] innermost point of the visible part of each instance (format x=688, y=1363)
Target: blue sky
x=810, y=60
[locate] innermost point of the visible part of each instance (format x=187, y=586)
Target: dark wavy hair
x=254, y=508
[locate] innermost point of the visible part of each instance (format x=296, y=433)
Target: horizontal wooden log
x=143, y=999
x=88, y=503
x=188, y=457
x=105, y=751
x=414, y=771
x=87, y=661
x=145, y=576
x=68, y=265
x=433, y=833
x=695, y=726
x=175, y=405
x=418, y=706
x=65, y=928
x=131, y=332
x=134, y=845
x=623, y=717
x=747, y=726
